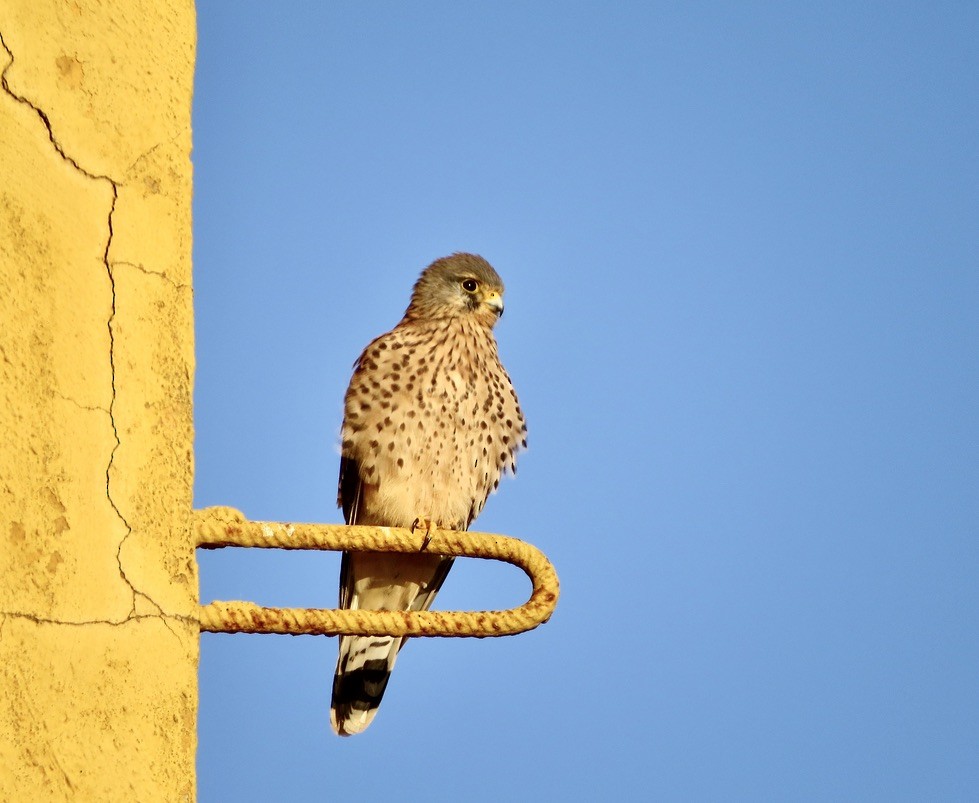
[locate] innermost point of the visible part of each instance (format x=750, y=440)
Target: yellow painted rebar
x=222, y=527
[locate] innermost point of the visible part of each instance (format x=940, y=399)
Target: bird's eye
x=470, y=285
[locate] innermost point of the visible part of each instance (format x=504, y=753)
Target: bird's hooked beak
x=494, y=300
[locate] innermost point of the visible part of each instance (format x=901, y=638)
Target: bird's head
x=458, y=285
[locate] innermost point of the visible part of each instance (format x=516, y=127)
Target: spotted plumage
x=431, y=423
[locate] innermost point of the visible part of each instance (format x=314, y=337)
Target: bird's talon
x=429, y=525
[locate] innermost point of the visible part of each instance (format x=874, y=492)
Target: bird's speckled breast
x=433, y=421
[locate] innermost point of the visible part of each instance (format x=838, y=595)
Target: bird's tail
x=363, y=670
x=377, y=581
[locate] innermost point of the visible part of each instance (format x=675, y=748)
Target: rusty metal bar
x=219, y=527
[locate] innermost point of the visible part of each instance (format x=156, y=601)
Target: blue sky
x=741, y=249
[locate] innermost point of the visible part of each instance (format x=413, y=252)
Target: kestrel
x=431, y=422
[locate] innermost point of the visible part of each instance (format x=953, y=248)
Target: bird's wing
x=348, y=497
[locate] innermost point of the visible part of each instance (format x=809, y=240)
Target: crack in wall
x=114, y=185
x=112, y=406
x=145, y=154
x=136, y=593
x=44, y=620
x=148, y=272
x=44, y=118
x=79, y=405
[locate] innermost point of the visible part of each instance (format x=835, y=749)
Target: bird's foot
x=428, y=525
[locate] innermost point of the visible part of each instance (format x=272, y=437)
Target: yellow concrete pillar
x=98, y=582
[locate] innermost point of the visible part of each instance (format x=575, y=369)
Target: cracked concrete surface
x=113, y=185
x=98, y=641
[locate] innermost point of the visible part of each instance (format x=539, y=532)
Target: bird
x=431, y=423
